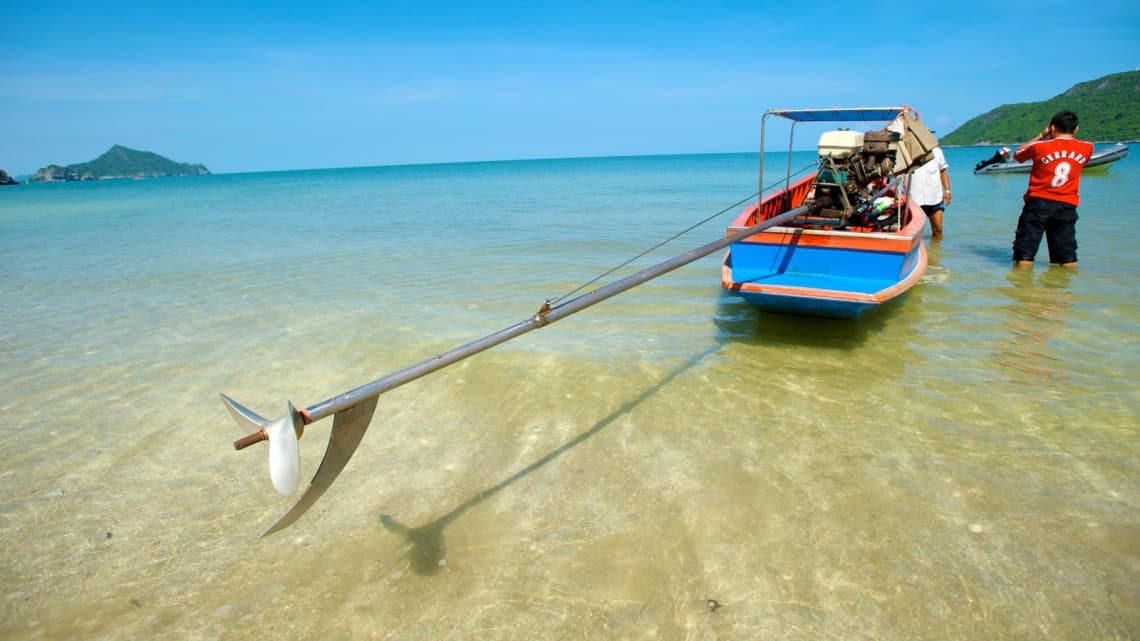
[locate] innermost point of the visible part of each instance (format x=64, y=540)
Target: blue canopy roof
x=838, y=114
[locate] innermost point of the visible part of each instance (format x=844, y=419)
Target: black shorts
x=930, y=209
x=1056, y=220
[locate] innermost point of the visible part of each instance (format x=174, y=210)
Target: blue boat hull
x=831, y=283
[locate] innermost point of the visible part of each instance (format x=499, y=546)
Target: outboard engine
x=850, y=163
x=834, y=187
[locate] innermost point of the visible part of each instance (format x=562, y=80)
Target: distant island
x=1108, y=108
x=119, y=162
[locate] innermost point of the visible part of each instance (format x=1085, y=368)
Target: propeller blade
x=246, y=418
x=284, y=452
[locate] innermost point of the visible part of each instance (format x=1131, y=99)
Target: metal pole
x=791, y=140
x=760, y=187
x=542, y=318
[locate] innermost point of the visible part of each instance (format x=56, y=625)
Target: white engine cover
x=840, y=144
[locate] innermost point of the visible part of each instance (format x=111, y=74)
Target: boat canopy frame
x=827, y=114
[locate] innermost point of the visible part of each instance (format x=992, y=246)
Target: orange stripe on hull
x=897, y=244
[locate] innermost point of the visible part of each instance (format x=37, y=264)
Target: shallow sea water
x=962, y=465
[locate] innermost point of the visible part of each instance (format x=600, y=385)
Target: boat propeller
x=283, y=435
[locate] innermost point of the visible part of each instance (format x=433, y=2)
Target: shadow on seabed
x=425, y=544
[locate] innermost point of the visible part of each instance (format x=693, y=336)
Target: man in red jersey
x=1054, y=192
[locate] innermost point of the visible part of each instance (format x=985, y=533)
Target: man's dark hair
x=1065, y=122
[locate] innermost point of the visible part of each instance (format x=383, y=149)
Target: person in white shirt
x=930, y=189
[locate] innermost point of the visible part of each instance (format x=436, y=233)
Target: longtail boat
x=856, y=242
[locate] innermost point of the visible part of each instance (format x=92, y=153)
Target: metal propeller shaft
x=353, y=409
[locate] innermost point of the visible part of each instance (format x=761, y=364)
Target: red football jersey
x=1057, y=164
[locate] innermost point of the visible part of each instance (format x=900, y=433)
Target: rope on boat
x=554, y=301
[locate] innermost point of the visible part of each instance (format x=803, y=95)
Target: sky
x=247, y=86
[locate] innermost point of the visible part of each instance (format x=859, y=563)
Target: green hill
x=119, y=162
x=1108, y=108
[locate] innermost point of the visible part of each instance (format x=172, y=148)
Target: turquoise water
x=962, y=465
